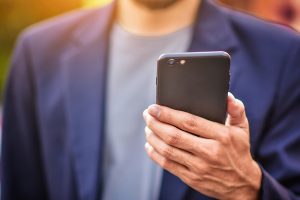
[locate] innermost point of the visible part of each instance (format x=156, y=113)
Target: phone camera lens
x=171, y=61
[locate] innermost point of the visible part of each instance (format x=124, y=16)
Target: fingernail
x=233, y=98
x=239, y=101
x=148, y=147
x=231, y=95
x=154, y=111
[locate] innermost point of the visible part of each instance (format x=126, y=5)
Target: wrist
x=253, y=189
x=257, y=176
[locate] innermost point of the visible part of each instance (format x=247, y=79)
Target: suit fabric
x=55, y=98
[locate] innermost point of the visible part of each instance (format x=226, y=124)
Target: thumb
x=236, y=113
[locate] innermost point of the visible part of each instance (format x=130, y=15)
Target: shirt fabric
x=128, y=172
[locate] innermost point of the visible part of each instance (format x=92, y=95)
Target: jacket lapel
x=212, y=32
x=85, y=72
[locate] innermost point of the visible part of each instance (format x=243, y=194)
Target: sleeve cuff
x=272, y=189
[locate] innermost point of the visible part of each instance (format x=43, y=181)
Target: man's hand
x=212, y=158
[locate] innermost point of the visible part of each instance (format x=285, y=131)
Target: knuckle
x=168, y=152
x=193, y=178
x=165, y=163
x=165, y=114
x=189, y=163
x=216, y=152
x=202, y=170
x=226, y=136
x=241, y=113
x=205, y=169
x=215, y=156
x=241, y=108
x=174, y=137
x=151, y=154
x=189, y=123
x=150, y=122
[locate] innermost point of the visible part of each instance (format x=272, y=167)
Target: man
x=79, y=84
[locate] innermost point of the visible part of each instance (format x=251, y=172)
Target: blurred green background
x=15, y=15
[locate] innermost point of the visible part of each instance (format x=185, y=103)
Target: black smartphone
x=194, y=82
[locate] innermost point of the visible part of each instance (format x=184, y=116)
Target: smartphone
x=194, y=82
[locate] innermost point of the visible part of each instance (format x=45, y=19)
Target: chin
x=156, y=4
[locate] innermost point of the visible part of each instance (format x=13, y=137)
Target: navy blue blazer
x=54, y=103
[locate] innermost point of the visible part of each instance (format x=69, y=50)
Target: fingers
x=176, y=137
x=169, y=165
x=187, y=122
x=167, y=151
x=236, y=112
x=191, y=178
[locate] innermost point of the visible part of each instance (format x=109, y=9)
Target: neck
x=143, y=21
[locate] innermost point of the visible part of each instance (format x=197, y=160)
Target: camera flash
x=182, y=62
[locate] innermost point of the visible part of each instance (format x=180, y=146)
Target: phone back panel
x=199, y=86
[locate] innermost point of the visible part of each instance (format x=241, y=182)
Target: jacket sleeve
x=22, y=176
x=279, y=151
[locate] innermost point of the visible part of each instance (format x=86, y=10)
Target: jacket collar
x=212, y=31
x=96, y=27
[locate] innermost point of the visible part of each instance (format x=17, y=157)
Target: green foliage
x=15, y=15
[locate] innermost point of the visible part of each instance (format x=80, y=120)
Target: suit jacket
x=54, y=103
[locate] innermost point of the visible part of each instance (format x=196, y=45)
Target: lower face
x=156, y=4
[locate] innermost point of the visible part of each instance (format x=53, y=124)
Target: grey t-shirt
x=128, y=172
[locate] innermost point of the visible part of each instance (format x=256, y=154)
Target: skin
x=156, y=4
x=296, y=21
x=145, y=21
x=214, y=160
